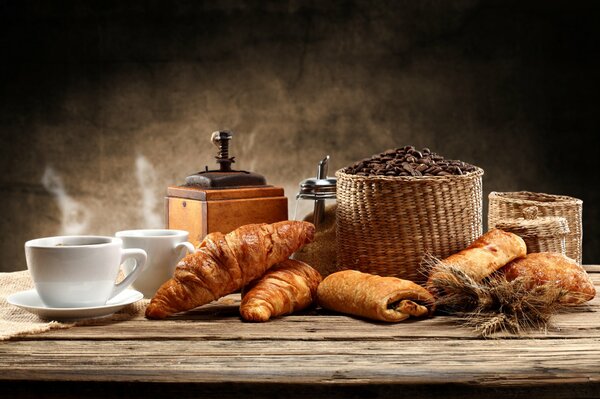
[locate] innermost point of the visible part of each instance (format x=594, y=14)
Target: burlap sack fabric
x=16, y=322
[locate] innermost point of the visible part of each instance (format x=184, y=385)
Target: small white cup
x=79, y=271
x=164, y=247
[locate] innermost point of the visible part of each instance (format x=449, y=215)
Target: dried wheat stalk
x=496, y=304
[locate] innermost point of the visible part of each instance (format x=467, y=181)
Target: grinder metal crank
x=223, y=199
x=224, y=177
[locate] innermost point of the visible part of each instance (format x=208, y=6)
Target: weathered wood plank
x=211, y=350
x=313, y=328
x=592, y=268
x=221, y=320
x=500, y=362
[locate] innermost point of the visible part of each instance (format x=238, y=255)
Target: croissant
x=545, y=267
x=379, y=298
x=224, y=263
x=287, y=287
x=484, y=256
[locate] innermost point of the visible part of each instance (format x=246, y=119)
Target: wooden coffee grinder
x=223, y=199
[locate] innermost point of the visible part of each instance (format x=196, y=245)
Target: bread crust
x=374, y=297
x=288, y=287
x=224, y=263
x=484, y=256
x=554, y=268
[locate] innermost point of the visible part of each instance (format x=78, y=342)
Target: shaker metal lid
x=319, y=187
x=322, y=188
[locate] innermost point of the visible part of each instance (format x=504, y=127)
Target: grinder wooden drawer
x=201, y=211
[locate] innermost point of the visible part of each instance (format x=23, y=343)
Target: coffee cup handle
x=139, y=255
x=187, y=245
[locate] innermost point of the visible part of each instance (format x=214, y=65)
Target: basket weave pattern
x=511, y=205
x=385, y=225
x=545, y=234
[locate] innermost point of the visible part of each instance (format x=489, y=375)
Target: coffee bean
x=408, y=161
x=422, y=168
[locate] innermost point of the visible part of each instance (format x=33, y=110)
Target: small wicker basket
x=541, y=234
x=385, y=224
x=511, y=205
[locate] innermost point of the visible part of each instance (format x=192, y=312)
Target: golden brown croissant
x=484, y=256
x=224, y=263
x=545, y=267
x=287, y=287
x=374, y=297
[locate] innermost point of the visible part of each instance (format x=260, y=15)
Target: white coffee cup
x=80, y=271
x=164, y=247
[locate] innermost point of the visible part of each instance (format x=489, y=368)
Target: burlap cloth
x=16, y=322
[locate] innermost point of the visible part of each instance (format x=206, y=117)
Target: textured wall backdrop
x=106, y=103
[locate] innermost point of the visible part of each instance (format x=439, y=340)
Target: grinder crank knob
x=221, y=138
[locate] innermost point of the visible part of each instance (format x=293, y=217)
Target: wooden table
x=211, y=353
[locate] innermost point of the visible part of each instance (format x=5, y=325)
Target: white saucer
x=30, y=301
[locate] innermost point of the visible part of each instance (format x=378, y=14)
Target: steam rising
x=75, y=218
x=146, y=177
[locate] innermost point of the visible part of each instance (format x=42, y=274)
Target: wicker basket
x=511, y=205
x=541, y=234
x=385, y=225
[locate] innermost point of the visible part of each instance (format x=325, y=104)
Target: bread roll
x=287, y=287
x=484, y=256
x=546, y=267
x=224, y=263
x=379, y=298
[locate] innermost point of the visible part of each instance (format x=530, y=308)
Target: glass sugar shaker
x=319, y=190
x=319, y=194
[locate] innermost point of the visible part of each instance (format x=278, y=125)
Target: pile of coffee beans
x=408, y=161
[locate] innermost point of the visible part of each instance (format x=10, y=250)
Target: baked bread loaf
x=545, y=267
x=289, y=286
x=224, y=263
x=484, y=256
x=374, y=297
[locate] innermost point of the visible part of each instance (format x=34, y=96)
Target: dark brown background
x=105, y=103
